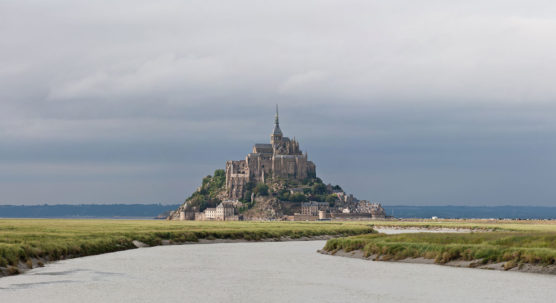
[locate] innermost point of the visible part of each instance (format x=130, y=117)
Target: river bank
x=27, y=244
x=31, y=263
x=506, y=251
x=527, y=268
x=391, y=230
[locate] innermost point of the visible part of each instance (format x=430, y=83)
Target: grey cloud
x=403, y=102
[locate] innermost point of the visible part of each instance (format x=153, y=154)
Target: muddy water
x=263, y=272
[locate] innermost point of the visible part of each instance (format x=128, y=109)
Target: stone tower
x=276, y=135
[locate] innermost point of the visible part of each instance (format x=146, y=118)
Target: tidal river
x=264, y=272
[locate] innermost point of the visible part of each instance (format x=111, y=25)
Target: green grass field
x=513, y=242
x=24, y=239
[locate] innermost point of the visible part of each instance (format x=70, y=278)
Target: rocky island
x=275, y=181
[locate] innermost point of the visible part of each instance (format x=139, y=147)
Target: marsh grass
x=474, y=224
x=12, y=270
x=22, y=240
x=513, y=248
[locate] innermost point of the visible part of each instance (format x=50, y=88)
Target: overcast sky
x=400, y=102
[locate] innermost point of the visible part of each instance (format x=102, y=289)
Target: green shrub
x=298, y=197
x=331, y=198
x=318, y=189
x=261, y=189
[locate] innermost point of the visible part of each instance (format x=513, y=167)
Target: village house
x=312, y=208
x=210, y=213
x=224, y=211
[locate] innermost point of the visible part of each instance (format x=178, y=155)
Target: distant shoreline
x=81, y=218
x=125, y=211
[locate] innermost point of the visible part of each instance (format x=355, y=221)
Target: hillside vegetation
x=209, y=193
x=268, y=198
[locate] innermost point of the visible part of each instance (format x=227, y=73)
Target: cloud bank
x=435, y=102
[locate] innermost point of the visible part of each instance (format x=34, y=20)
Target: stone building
x=312, y=208
x=366, y=207
x=346, y=198
x=282, y=158
x=210, y=213
x=377, y=211
x=200, y=216
x=224, y=211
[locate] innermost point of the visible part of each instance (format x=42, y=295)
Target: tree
x=219, y=178
x=249, y=185
x=261, y=189
x=318, y=198
x=319, y=189
x=337, y=187
x=284, y=195
x=298, y=197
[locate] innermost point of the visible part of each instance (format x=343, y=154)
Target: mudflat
x=263, y=272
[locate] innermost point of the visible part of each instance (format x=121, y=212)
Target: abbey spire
x=277, y=130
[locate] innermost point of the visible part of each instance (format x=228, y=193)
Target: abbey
x=282, y=158
x=292, y=190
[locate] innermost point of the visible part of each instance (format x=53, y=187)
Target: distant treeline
x=85, y=211
x=472, y=212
